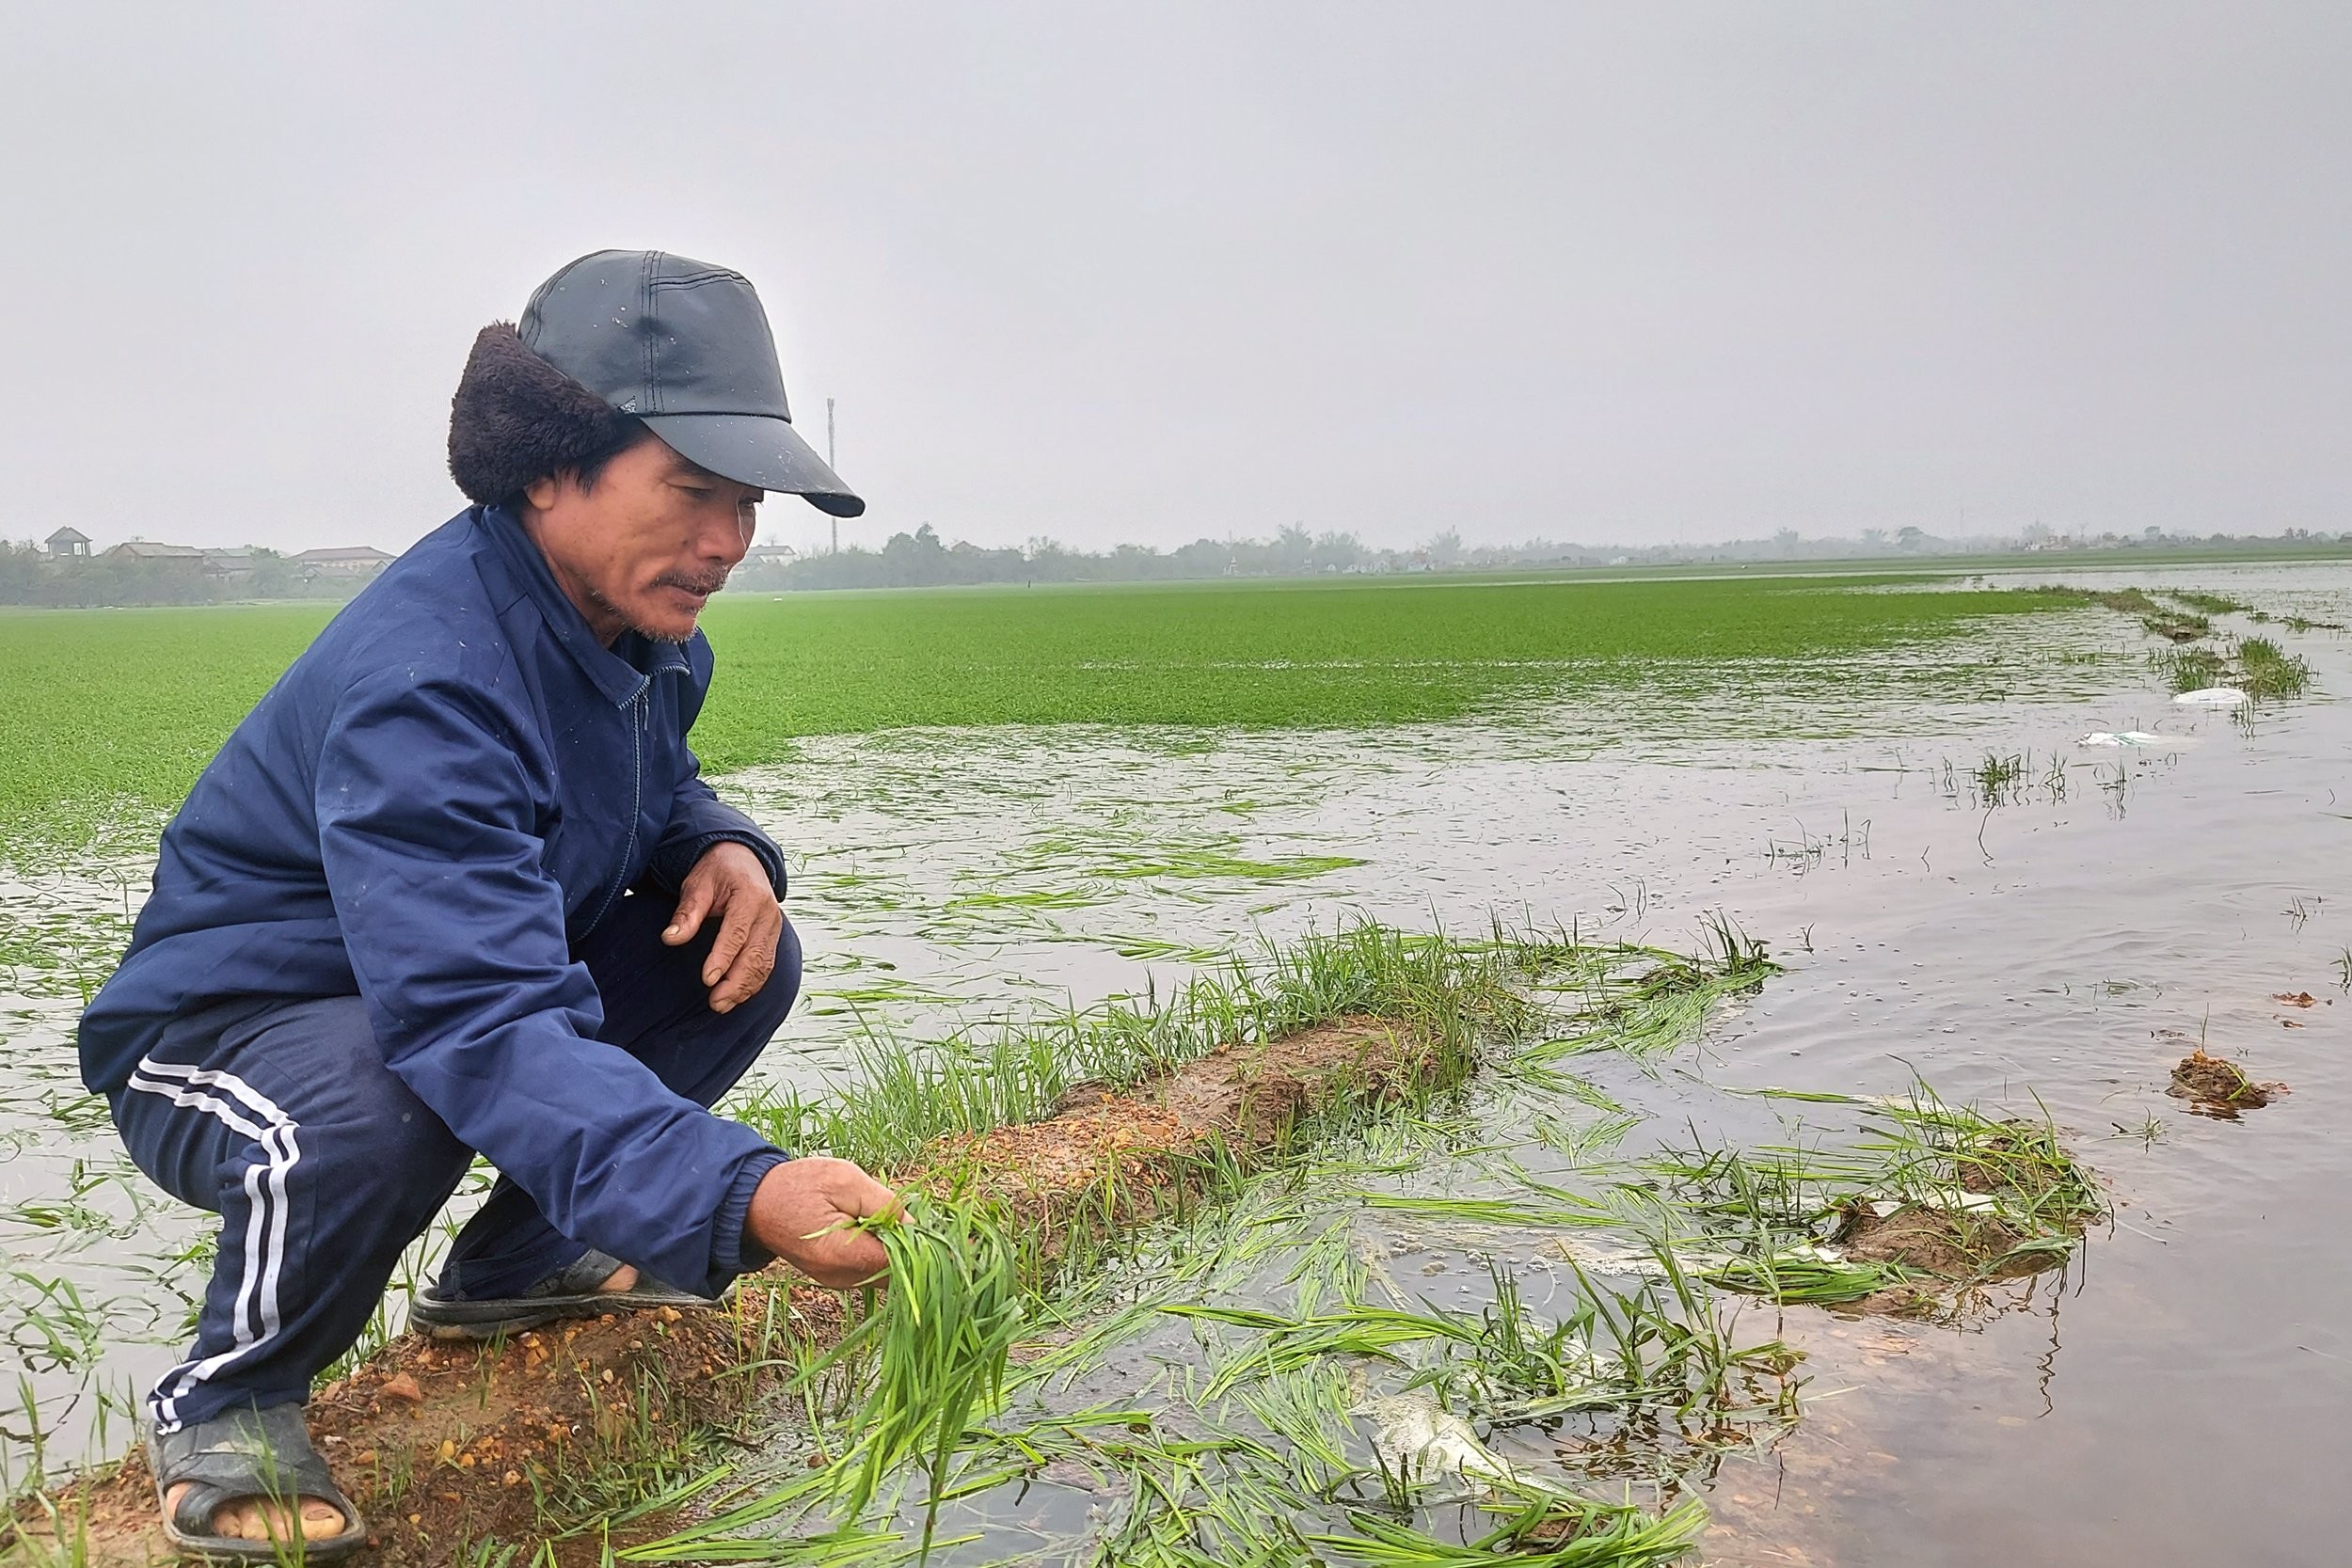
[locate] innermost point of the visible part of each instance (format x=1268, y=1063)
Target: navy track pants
x=322, y=1166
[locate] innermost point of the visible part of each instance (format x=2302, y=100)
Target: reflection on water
x=2050, y=933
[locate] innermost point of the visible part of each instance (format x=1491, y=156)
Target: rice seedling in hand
x=939, y=1333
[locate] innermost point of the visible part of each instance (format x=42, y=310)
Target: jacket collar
x=620, y=671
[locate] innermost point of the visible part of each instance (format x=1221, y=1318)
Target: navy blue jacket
x=445, y=792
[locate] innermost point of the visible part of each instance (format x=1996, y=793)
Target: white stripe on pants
x=265, y=1219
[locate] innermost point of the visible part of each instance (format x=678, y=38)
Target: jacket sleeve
x=430, y=833
x=698, y=819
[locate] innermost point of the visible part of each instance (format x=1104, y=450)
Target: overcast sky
x=1123, y=273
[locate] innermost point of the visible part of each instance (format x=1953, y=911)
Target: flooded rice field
x=1961, y=893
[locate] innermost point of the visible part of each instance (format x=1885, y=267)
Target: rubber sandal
x=566, y=1293
x=244, y=1454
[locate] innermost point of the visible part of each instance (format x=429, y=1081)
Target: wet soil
x=1955, y=1247
x=440, y=1444
x=2218, y=1086
x=1949, y=1254
x=1121, y=1157
x=443, y=1445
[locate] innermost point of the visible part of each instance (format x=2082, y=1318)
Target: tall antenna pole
x=836, y=522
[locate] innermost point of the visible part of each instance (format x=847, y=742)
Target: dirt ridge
x=441, y=1445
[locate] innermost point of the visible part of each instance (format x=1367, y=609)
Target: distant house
x=341, y=562
x=147, y=549
x=770, y=555
x=173, y=559
x=67, y=541
x=230, y=566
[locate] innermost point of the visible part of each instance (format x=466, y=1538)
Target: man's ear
x=540, y=493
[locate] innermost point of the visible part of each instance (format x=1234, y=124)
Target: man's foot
x=597, y=1284
x=246, y=1484
x=260, y=1519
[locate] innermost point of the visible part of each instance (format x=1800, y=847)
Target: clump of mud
x=1949, y=1245
x=2215, y=1085
x=1942, y=1255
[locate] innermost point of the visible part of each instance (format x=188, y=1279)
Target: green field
x=109, y=711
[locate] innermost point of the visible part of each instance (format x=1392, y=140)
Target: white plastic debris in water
x=1421, y=1439
x=2127, y=738
x=1951, y=1200
x=1594, y=1255
x=2212, y=696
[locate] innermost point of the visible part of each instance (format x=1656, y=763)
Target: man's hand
x=800, y=1211
x=730, y=883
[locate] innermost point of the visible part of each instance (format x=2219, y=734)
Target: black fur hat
x=517, y=419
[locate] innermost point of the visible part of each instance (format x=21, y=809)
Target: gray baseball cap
x=685, y=347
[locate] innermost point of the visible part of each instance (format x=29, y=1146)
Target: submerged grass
x=2209, y=604
x=1928, y=1199
x=2158, y=620
x=1251, y=1458
x=1617, y=1538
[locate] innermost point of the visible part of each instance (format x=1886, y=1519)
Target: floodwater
x=2179, y=1397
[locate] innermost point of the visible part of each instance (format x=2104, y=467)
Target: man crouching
x=456, y=887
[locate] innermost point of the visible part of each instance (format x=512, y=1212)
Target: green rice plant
x=934, y=1344
x=1584, y=1144
x=1517, y=1369
x=940, y=1336
x=1645, y=1001
x=1570, y=1210
x=713, y=1540
x=2176, y=625
x=1309, y=1412
x=1766, y=1217
x=1802, y=1274
x=2157, y=620
x=2265, y=670
x=1290, y=1343
x=1931, y=1153
x=2211, y=603
x=2257, y=666
x=905, y=1094
x=2193, y=669
x=113, y=713
x=1540, y=1536
x=1995, y=774
x=1741, y=1188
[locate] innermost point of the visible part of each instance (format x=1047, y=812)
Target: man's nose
x=728, y=541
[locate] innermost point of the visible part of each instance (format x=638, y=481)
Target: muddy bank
x=1119, y=1158
x=444, y=1447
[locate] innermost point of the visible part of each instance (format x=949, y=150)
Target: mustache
x=708, y=583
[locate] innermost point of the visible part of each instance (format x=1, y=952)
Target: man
x=455, y=886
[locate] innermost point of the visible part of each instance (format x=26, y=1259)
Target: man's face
x=647, y=543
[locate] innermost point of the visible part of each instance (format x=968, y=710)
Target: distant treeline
x=921, y=560
x=30, y=576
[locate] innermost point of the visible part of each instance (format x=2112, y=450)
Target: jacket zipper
x=636, y=803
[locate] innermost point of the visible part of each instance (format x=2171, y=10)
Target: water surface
x=2180, y=1401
